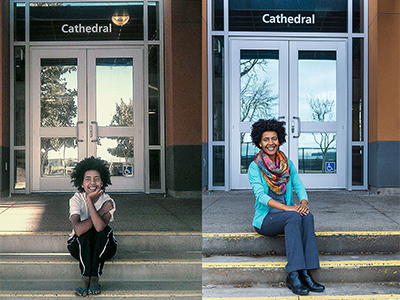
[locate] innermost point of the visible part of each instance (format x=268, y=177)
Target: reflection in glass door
x=83, y=104
x=301, y=83
x=257, y=90
x=317, y=136
x=115, y=116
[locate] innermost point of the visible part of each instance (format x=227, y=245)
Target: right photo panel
x=301, y=149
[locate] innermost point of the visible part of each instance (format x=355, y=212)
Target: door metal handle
x=93, y=132
x=298, y=127
x=77, y=131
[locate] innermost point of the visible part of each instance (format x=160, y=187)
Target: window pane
x=317, y=86
x=20, y=170
x=153, y=21
x=58, y=92
x=96, y=21
x=218, y=89
x=358, y=90
x=248, y=150
x=118, y=152
x=19, y=17
x=357, y=165
x=358, y=16
x=259, y=85
x=114, y=91
x=288, y=15
x=154, y=95
x=155, y=169
x=58, y=156
x=218, y=14
x=19, y=96
x=317, y=152
x=219, y=165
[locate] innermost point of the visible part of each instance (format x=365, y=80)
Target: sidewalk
x=228, y=212
x=135, y=212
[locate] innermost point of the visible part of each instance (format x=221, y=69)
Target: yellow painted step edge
x=322, y=297
x=253, y=298
x=123, y=262
x=120, y=233
x=322, y=233
x=323, y=264
x=104, y=294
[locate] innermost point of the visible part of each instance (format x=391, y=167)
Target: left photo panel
x=101, y=149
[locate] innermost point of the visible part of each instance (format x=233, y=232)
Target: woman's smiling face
x=92, y=181
x=270, y=143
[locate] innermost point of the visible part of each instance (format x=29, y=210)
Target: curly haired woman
x=273, y=177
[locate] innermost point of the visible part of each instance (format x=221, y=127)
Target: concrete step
x=222, y=270
x=17, y=242
x=157, y=290
x=356, y=242
x=342, y=291
x=135, y=266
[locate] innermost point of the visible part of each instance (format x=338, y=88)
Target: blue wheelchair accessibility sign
x=330, y=166
x=127, y=170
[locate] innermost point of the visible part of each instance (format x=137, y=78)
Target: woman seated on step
x=92, y=241
x=273, y=177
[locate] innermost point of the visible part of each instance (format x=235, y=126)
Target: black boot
x=310, y=283
x=294, y=283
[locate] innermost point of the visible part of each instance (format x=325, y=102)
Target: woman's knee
x=105, y=232
x=293, y=216
x=308, y=217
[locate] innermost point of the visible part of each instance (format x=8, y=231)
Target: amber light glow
x=120, y=20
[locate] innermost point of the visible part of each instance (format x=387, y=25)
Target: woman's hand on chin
x=94, y=196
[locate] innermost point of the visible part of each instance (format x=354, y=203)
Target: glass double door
x=302, y=83
x=86, y=102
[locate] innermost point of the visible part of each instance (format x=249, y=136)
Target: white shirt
x=78, y=206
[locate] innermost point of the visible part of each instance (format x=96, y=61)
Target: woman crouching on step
x=92, y=241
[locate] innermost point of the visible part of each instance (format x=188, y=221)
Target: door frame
x=33, y=183
x=234, y=183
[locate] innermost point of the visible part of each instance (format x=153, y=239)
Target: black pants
x=92, y=249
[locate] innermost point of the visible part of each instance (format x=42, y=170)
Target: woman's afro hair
x=259, y=127
x=89, y=164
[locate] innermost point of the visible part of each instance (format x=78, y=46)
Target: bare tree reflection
x=257, y=100
x=322, y=111
x=256, y=95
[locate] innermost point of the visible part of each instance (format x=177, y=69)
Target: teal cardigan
x=260, y=188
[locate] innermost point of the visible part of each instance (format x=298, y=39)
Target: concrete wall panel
x=384, y=94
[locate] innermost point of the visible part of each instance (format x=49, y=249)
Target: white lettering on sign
x=79, y=28
x=282, y=19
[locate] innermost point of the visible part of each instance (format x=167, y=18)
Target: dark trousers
x=92, y=249
x=300, y=239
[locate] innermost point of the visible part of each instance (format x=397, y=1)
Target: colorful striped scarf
x=275, y=174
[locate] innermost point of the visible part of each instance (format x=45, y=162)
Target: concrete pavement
x=333, y=211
